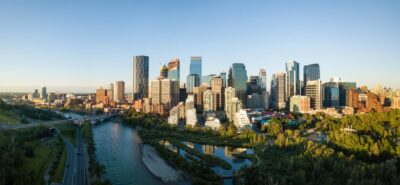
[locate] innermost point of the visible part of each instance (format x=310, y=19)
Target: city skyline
x=363, y=37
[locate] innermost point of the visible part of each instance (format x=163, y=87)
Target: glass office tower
x=140, y=77
x=239, y=81
x=196, y=66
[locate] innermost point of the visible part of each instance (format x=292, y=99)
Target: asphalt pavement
x=80, y=160
x=68, y=178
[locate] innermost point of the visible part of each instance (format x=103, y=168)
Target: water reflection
x=117, y=148
x=225, y=153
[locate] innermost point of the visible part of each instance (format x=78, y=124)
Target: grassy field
x=58, y=176
x=37, y=164
x=9, y=117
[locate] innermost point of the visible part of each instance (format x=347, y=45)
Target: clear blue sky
x=80, y=45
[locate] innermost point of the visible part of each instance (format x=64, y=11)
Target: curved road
x=68, y=178
x=80, y=161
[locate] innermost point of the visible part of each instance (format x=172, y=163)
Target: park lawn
x=59, y=174
x=39, y=162
x=9, y=117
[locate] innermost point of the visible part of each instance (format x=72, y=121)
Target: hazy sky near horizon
x=80, y=45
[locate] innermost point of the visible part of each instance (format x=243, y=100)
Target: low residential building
x=241, y=120
x=396, y=103
x=348, y=111
x=173, y=118
x=213, y=123
x=191, y=116
x=255, y=101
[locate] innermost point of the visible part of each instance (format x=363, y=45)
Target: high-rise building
x=217, y=86
x=232, y=103
x=169, y=93
x=192, y=81
x=239, y=77
x=230, y=78
x=265, y=96
x=278, y=90
x=43, y=93
x=263, y=77
x=314, y=92
x=230, y=93
x=255, y=101
x=156, y=92
x=344, y=88
x=331, y=94
x=293, y=79
x=196, y=66
x=163, y=72
x=254, y=85
x=191, y=116
x=174, y=70
x=198, y=96
x=353, y=98
x=34, y=95
x=182, y=93
x=207, y=79
x=110, y=91
x=101, y=96
x=208, y=101
x=223, y=76
x=165, y=93
x=140, y=77
x=300, y=104
x=311, y=72
x=51, y=97
x=119, y=92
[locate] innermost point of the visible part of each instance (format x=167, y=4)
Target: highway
x=31, y=125
x=68, y=178
x=50, y=123
x=80, y=160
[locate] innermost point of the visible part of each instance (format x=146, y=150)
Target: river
x=117, y=148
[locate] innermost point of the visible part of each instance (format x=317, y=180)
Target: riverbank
x=158, y=166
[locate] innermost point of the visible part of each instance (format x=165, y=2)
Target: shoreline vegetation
x=196, y=165
x=96, y=169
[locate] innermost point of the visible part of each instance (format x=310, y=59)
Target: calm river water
x=118, y=150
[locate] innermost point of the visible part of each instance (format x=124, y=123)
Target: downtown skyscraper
x=174, y=69
x=293, y=79
x=263, y=77
x=311, y=72
x=119, y=92
x=140, y=77
x=314, y=91
x=192, y=81
x=278, y=90
x=196, y=66
x=239, y=81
